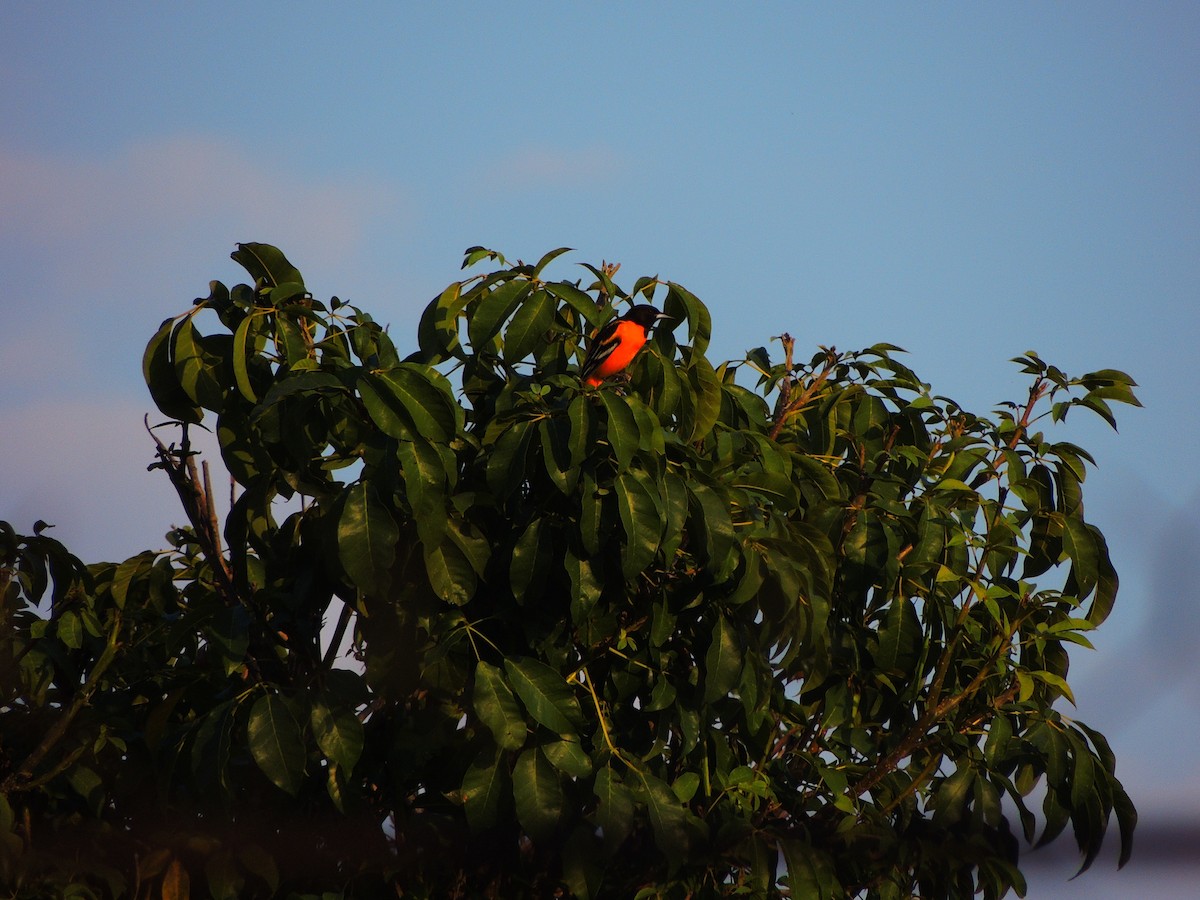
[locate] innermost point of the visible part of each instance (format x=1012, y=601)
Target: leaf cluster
x=768, y=628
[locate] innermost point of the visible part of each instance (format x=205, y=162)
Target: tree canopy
x=783, y=626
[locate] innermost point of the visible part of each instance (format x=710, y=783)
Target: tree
x=671, y=637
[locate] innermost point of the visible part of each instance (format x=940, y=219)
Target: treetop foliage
x=777, y=627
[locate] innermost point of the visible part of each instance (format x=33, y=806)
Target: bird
x=617, y=343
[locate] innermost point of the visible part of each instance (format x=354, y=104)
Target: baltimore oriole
x=617, y=343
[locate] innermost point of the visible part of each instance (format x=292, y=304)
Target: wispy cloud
x=106, y=218
x=96, y=250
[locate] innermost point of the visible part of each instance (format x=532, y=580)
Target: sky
x=967, y=181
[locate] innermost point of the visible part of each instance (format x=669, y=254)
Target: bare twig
x=180, y=467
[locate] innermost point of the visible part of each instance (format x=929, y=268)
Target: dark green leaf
x=410, y=400
x=484, y=786
x=668, y=819
x=367, y=538
x=568, y=757
x=621, y=428
x=809, y=871
x=584, y=305
x=497, y=707
x=1079, y=543
x=641, y=519
x=451, y=574
x=722, y=662
x=545, y=694
x=549, y=258
x=266, y=265
x=538, y=794
x=162, y=378
x=276, y=742
x=489, y=313
x=339, y=734
x=529, y=326
x=614, y=814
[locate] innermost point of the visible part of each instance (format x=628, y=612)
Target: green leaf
x=621, y=428
x=951, y=797
x=579, y=413
x=497, y=707
x=553, y=435
x=549, y=258
x=900, y=637
x=668, y=819
x=195, y=367
x=722, y=662
x=240, y=340
x=538, y=794
x=584, y=305
x=490, y=311
x=367, y=538
x=276, y=742
x=225, y=882
x=338, y=733
x=230, y=636
x=425, y=477
x=568, y=757
x=1079, y=544
x=70, y=630
x=450, y=571
x=1106, y=581
x=530, y=560
x=411, y=400
x=641, y=519
x=585, y=586
x=266, y=265
x=614, y=814
x=162, y=379
x=484, y=786
x=437, y=332
x=810, y=872
x=529, y=326
x=683, y=304
x=506, y=459
x=685, y=786
x=545, y=694
x=706, y=389
x=582, y=868
x=1127, y=820
x=999, y=734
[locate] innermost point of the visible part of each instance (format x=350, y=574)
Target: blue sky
x=966, y=181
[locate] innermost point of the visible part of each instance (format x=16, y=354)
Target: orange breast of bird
x=627, y=339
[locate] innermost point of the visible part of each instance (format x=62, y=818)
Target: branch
x=18, y=779
x=792, y=406
x=198, y=506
